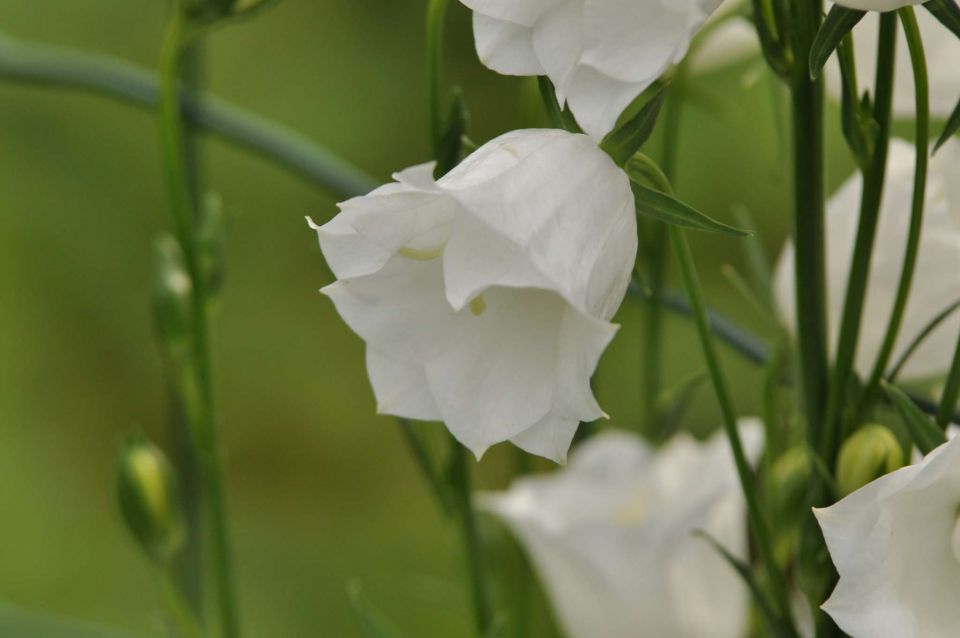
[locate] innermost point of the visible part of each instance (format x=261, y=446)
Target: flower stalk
x=185, y=217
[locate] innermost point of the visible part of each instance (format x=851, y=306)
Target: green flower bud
x=172, y=290
x=868, y=454
x=149, y=499
x=788, y=485
x=210, y=244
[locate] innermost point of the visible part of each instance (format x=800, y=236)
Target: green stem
x=178, y=607
x=948, y=402
x=184, y=217
x=761, y=532
x=872, y=197
x=476, y=564
x=808, y=217
x=922, y=141
x=47, y=65
x=436, y=18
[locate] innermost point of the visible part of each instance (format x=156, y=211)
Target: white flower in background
x=611, y=536
x=936, y=282
x=942, y=50
x=600, y=54
x=485, y=297
x=877, y=5
x=896, y=545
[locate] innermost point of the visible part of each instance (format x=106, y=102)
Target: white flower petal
x=401, y=389
x=523, y=12
x=936, y=280
x=941, y=47
x=557, y=41
x=597, y=100
x=877, y=5
x=556, y=210
x=505, y=47
x=550, y=437
x=727, y=44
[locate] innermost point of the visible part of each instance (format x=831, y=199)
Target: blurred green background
x=321, y=490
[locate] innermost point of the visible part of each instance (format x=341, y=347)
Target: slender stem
x=436, y=18
x=482, y=610
x=808, y=216
x=46, y=65
x=872, y=197
x=204, y=427
x=761, y=532
x=922, y=141
x=179, y=608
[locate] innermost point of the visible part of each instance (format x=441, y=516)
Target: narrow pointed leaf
x=624, y=142
x=673, y=405
x=924, y=432
x=947, y=12
x=372, y=623
x=952, y=126
x=921, y=336
x=743, y=570
x=670, y=210
x=559, y=116
x=839, y=22
x=450, y=144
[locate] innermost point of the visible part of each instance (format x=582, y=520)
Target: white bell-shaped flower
x=600, y=54
x=896, y=545
x=877, y=5
x=612, y=536
x=942, y=49
x=936, y=282
x=485, y=297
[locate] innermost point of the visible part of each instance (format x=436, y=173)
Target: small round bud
x=172, y=290
x=868, y=454
x=788, y=483
x=149, y=498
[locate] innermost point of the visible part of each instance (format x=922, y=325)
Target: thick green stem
x=922, y=142
x=808, y=217
x=871, y=200
x=476, y=565
x=758, y=524
x=203, y=424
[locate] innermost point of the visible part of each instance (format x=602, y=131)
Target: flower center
x=634, y=510
x=955, y=539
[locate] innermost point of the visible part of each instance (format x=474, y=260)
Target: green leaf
x=952, y=126
x=672, y=405
x=670, y=210
x=839, y=22
x=623, y=143
x=24, y=624
x=743, y=570
x=947, y=12
x=924, y=432
x=860, y=128
x=372, y=623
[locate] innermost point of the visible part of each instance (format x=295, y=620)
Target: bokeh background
x=321, y=490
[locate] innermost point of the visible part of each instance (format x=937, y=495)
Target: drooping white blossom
x=936, y=282
x=485, y=297
x=600, y=54
x=896, y=545
x=612, y=536
x=877, y=5
x=942, y=49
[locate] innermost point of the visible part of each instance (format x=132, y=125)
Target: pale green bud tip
x=149, y=498
x=868, y=454
x=172, y=291
x=789, y=483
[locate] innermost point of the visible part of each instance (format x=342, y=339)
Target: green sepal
x=838, y=23
x=860, y=128
x=947, y=12
x=672, y=405
x=559, y=117
x=211, y=244
x=171, y=294
x=370, y=620
x=668, y=209
x=450, y=144
x=924, y=432
x=951, y=127
x=623, y=143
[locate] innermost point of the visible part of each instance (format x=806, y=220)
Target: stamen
x=420, y=254
x=478, y=305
